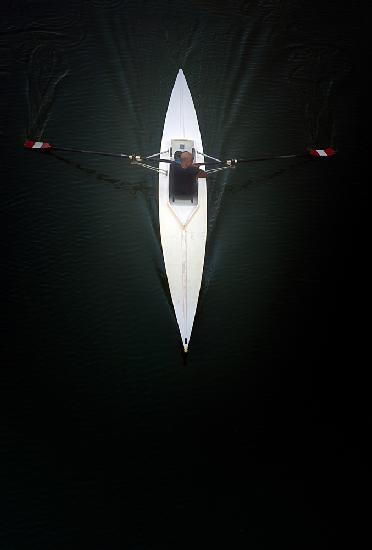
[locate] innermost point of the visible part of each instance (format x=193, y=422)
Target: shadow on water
x=116, y=183
x=184, y=356
x=150, y=193
x=220, y=184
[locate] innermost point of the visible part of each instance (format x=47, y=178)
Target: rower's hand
x=201, y=174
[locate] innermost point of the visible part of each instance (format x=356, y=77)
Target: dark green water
x=111, y=439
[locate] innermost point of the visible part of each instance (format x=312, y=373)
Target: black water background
x=111, y=440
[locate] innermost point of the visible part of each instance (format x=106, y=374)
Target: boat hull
x=183, y=227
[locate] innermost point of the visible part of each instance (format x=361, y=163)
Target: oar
x=328, y=152
x=45, y=146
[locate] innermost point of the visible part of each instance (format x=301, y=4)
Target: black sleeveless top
x=184, y=179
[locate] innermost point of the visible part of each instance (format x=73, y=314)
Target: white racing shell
x=183, y=224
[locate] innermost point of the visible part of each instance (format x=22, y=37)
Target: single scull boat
x=183, y=220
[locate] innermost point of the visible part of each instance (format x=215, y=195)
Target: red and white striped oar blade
x=37, y=144
x=328, y=152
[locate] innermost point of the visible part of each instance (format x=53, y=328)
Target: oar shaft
x=327, y=152
x=88, y=152
x=45, y=146
x=271, y=158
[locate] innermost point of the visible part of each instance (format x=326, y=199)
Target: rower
x=190, y=167
x=183, y=177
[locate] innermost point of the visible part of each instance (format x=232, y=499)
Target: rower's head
x=186, y=159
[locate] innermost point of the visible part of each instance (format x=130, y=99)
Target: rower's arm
x=201, y=173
